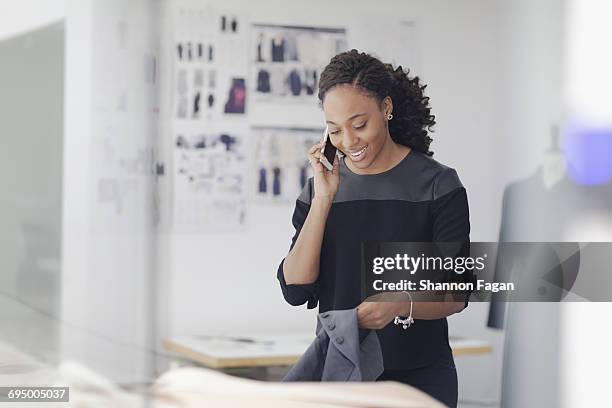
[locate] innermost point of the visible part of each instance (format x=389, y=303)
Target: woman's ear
x=387, y=106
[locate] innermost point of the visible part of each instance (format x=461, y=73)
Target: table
x=264, y=350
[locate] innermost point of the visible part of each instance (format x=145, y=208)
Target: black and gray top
x=418, y=200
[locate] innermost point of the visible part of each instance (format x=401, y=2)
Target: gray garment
x=340, y=352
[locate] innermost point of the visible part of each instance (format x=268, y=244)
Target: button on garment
x=353, y=355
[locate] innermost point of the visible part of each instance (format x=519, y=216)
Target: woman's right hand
x=325, y=182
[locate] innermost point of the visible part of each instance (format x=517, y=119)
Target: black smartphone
x=329, y=151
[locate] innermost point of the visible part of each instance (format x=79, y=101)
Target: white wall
x=28, y=15
x=31, y=118
x=109, y=273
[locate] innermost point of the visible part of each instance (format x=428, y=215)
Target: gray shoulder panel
x=447, y=181
x=307, y=192
x=417, y=177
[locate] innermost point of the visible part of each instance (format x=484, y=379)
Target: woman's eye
x=335, y=132
x=360, y=126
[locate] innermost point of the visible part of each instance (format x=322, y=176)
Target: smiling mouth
x=358, y=152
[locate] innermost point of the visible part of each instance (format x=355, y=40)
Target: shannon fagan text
x=426, y=284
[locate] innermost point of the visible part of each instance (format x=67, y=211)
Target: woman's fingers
x=314, y=156
x=313, y=159
x=336, y=165
x=314, y=153
x=317, y=167
x=316, y=147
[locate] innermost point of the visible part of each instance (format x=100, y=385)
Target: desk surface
x=256, y=350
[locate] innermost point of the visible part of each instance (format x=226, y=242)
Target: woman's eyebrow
x=349, y=119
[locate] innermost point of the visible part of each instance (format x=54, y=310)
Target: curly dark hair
x=411, y=112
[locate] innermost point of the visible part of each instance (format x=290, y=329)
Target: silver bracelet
x=407, y=322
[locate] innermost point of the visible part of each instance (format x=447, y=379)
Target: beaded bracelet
x=407, y=322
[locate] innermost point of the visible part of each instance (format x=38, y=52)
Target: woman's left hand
x=376, y=315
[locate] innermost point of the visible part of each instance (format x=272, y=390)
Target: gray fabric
x=431, y=181
x=340, y=352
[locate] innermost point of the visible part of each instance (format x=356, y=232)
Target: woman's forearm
x=433, y=310
x=301, y=265
x=425, y=310
x=429, y=310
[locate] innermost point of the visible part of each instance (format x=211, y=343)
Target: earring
x=389, y=116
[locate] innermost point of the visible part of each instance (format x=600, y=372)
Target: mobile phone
x=329, y=151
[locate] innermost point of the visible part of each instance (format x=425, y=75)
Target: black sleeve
x=451, y=223
x=297, y=294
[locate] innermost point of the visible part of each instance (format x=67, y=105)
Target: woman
x=385, y=188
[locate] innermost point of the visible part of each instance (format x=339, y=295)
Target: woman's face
x=357, y=124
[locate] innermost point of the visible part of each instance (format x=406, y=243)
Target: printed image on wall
x=209, y=65
x=280, y=165
x=209, y=182
x=287, y=60
x=197, y=91
x=236, y=97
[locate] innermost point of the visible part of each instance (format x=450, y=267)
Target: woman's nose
x=348, y=140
